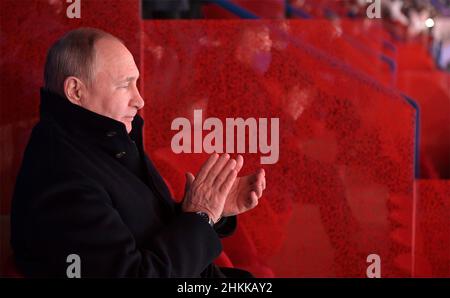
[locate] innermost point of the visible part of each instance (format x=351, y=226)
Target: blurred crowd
x=418, y=18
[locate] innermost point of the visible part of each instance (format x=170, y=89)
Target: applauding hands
x=217, y=191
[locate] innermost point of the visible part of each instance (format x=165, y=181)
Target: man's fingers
x=239, y=163
x=253, y=200
x=218, y=167
x=260, y=184
x=259, y=190
x=230, y=165
x=262, y=178
x=204, y=170
x=228, y=183
x=262, y=181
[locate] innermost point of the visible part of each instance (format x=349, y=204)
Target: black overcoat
x=86, y=187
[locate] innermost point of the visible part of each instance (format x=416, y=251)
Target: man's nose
x=137, y=100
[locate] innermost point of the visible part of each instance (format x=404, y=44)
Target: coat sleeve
x=225, y=227
x=78, y=218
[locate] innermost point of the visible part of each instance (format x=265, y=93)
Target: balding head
x=73, y=55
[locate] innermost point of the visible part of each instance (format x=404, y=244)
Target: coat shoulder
x=49, y=151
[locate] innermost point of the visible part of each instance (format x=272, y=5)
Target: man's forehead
x=111, y=51
x=114, y=58
x=119, y=72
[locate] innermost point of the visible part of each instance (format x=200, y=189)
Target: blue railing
x=235, y=9
x=416, y=107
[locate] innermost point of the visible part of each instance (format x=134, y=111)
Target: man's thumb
x=189, y=179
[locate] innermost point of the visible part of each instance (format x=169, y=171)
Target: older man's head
x=95, y=70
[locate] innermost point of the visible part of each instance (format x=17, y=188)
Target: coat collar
x=84, y=122
x=108, y=134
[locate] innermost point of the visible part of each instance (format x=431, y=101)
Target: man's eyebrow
x=128, y=79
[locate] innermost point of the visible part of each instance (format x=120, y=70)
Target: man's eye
x=124, y=86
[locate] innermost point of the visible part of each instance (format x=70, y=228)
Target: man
x=87, y=188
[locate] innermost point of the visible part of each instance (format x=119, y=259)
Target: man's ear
x=73, y=89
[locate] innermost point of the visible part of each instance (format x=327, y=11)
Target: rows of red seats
x=407, y=67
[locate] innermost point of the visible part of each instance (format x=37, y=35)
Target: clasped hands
x=218, y=191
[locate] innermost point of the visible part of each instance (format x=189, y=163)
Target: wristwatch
x=206, y=217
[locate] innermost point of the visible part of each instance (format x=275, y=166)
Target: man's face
x=114, y=92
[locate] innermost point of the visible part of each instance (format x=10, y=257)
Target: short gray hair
x=72, y=55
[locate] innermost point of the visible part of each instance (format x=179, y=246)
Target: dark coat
x=86, y=187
